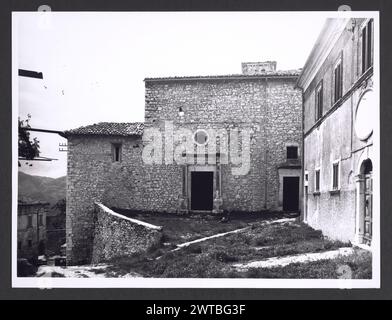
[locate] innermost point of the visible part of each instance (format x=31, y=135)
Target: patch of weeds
x=156, y=254
x=57, y=275
x=223, y=256
x=199, y=266
x=193, y=249
x=261, y=241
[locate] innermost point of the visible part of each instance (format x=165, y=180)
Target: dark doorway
x=290, y=193
x=202, y=190
x=41, y=248
x=367, y=180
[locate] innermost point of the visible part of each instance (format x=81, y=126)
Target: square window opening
x=292, y=152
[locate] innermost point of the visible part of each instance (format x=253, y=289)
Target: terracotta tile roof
x=272, y=74
x=109, y=129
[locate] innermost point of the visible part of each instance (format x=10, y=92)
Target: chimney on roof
x=255, y=68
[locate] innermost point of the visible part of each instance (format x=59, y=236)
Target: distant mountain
x=40, y=188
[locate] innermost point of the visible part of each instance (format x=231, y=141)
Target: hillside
x=40, y=188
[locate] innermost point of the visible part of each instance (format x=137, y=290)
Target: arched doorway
x=365, y=202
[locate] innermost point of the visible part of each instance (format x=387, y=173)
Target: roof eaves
x=226, y=77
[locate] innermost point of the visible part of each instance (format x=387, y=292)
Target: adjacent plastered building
x=339, y=117
x=31, y=229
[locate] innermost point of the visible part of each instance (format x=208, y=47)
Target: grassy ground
x=214, y=258
x=182, y=229
x=355, y=266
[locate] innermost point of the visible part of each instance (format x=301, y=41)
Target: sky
x=93, y=64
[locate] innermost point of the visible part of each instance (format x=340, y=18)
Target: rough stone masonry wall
x=117, y=236
x=283, y=126
x=271, y=108
x=129, y=184
x=217, y=104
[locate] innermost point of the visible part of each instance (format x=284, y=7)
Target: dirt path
x=298, y=258
x=86, y=271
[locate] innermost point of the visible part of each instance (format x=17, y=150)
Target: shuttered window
x=319, y=101
x=317, y=182
x=338, y=81
x=335, y=176
x=367, y=42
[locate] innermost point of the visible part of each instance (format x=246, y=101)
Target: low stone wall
x=116, y=235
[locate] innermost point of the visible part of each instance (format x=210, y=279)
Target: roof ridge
x=109, y=128
x=290, y=72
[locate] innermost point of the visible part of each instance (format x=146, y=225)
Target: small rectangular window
x=338, y=81
x=317, y=182
x=367, y=41
x=319, y=101
x=30, y=243
x=19, y=245
x=116, y=152
x=292, y=152
x=41, y=220
x=335, y=176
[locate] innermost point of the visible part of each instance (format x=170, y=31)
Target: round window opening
x=365, y=115
x=201, y=137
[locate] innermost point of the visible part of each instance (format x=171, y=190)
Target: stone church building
x=208, y=144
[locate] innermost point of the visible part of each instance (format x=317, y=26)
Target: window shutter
x=369, y=44
x=364, y=45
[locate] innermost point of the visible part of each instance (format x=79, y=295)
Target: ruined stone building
x=31, y=229
x=208, y=144
x=340, y=111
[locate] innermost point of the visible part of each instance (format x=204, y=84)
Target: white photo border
x=37, y=282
